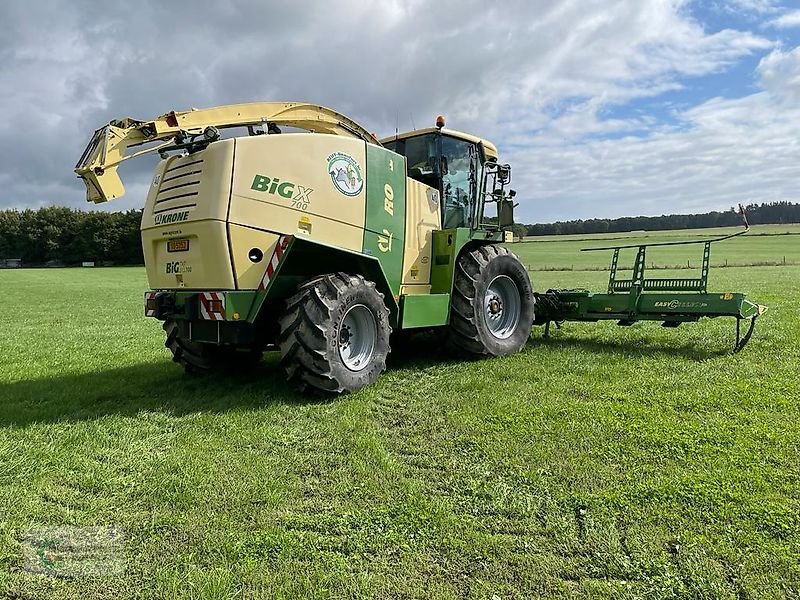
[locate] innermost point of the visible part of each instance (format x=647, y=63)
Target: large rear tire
x=335, y=334
x=197, y=358
x=492, y=304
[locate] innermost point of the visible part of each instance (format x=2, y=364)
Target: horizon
x=665, y=215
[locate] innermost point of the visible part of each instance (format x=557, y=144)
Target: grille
x=180, y=185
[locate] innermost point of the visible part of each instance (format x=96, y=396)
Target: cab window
x=448, y=164
x=459, y=177
x=421, y=161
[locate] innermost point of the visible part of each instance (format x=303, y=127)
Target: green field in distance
x=763, y=245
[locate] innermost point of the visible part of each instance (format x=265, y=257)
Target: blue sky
x=604, y=108
x=739, y=78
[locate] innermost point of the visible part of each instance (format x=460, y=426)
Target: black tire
x=480, y=327
x=314, y=349
x=197, y=358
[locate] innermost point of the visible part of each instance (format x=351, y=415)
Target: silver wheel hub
x=502, y=306
x=357, y=335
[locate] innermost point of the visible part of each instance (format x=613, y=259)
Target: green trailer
x=640, y=298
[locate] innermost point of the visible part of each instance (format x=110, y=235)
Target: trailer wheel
x=197, y=358
x=492, y=303
x=335, y=334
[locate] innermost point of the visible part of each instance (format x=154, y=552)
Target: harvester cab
x=465, y=171
x=322, y=241
x=318, y=243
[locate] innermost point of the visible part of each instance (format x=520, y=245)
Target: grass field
x=605, y=462
x=764, y=245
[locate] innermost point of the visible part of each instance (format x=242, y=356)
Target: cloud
x=786, y=20
x=779, y=73
x=722, y=152
x=544, y=80
x=752, y=6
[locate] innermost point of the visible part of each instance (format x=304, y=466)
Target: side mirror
x=504, y=173
x=481, y=152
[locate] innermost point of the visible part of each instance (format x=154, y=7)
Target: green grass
x=606, y=462
x=764, y=245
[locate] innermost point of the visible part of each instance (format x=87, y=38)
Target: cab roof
x=489, y=148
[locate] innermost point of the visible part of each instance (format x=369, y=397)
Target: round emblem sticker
x=345, y=173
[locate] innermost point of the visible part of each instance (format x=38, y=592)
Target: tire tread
x=304, y=332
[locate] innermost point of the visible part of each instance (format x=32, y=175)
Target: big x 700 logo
x=284, y=189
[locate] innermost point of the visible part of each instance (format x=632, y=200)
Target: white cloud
x=723, y=151
x=780, y=75
x=752, y=6
x=786, y=20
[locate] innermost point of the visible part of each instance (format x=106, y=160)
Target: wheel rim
x=502, y=305
x=358, y=334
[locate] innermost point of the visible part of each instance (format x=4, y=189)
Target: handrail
x=680, y=243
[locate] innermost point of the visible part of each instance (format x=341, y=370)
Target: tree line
x=757, y=214
x=59, y=235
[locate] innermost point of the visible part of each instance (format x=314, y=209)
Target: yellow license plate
x=177, y=245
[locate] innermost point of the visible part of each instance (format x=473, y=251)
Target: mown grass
x=606, y=462
x=763, y=245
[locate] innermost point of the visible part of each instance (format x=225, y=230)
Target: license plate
x=177, y=245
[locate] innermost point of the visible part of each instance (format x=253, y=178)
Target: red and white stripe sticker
x=274, y=261
x=208, y=300
x=149, y=312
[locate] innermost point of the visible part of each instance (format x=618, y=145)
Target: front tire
x=492, y=304
x=335, y=334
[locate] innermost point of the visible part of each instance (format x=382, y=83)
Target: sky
x=604, y=108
